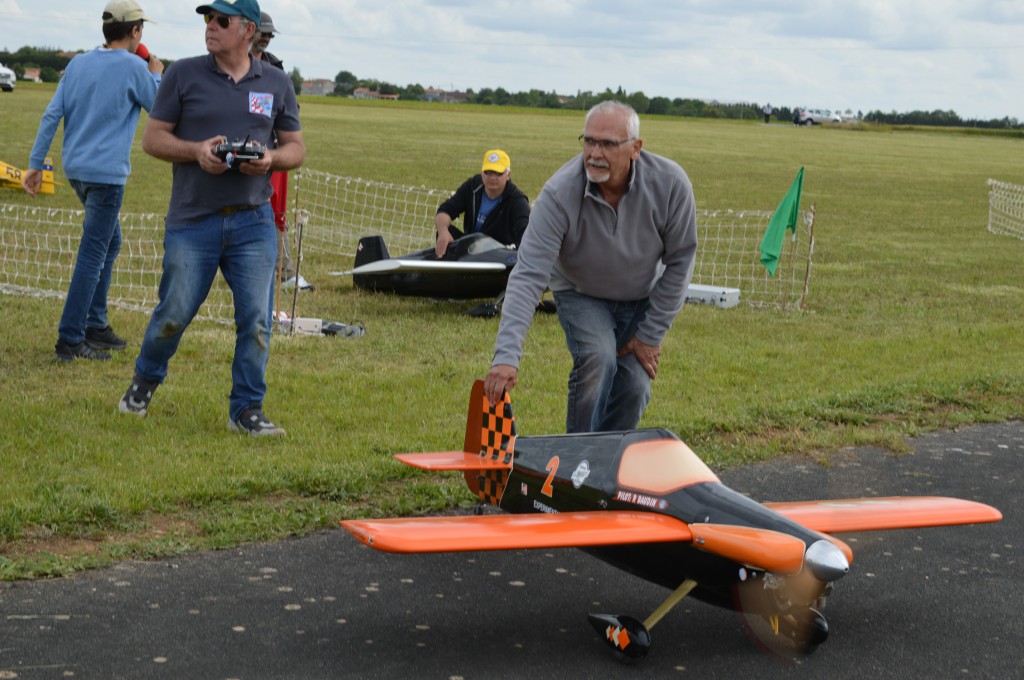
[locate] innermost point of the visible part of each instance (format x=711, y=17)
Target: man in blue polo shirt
x=219, y=214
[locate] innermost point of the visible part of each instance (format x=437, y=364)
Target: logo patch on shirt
x=261, y=103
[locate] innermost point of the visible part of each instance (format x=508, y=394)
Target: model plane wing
x=514, y=532
x=871, y=514
x=451, y=460
x=437, y=266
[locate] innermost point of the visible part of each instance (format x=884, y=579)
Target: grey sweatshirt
x=576, y=241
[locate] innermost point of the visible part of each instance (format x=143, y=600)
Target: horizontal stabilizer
x=452, y=460
x=514, y=532
x=770, y=550
x=871, y=514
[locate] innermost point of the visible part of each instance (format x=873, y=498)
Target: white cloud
x=857, y=54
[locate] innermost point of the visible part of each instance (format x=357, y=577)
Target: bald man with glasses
x=614, y=234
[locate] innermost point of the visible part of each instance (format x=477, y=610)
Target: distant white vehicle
x=817, y=117
x=6, y=79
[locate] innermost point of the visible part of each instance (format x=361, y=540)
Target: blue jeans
x=86, y=304
x=243, y=245
x=606, y=392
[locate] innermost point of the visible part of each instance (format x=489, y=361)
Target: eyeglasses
x=222, y=20
x=604, y=144
x=493, y=173
x=267, y=35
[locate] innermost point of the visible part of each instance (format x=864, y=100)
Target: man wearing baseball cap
x=99, y=98
x=250, y=9
x=219, y=215
x=489, y=203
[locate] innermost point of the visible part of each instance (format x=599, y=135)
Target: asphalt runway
x=924, y=603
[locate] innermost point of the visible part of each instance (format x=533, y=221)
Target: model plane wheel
x=627, y=636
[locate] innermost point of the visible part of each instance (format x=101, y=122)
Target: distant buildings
x=320, y=87
x=366, y=93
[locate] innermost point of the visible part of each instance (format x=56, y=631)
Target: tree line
x=52, y=62
x=345, y=83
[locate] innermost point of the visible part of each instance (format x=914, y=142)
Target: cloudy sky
x=861, y=55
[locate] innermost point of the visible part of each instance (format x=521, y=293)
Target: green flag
x=785, y=217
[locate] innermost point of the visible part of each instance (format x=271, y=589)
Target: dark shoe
x=488, y=310
x=68, y=352
x=136, y=399
x=253, y=422
x=104, y=338
x=547, y=307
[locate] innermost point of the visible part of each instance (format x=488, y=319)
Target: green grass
x=913, y=323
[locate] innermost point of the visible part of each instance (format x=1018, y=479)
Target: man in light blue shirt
x=99, y=98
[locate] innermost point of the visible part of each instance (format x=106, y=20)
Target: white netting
x=729, y=255
x=1006, y=209
x=38, y=245
x=344, y=209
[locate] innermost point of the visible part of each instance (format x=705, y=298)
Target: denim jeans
x=243, y=245
x=86, y=303
x=606, y=392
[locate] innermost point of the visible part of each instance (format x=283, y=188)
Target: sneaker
x=104, y=338
x=136, y=399
x=252, y=421
x=303, y=283
x=68, y=352
x=488, y=310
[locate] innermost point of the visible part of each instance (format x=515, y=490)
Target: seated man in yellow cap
x=489, y=202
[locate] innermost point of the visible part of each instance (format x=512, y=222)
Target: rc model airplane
x=475, y=266
x=642, y=501
x=10, y=177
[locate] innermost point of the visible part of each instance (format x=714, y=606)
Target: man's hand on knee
x=647, y=355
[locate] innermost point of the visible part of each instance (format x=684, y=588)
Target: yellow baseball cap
x=496, y=160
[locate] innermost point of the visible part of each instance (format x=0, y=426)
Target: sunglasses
x=222, y=20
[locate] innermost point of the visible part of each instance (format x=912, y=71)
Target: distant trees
x=36, y=57
x=943, y=118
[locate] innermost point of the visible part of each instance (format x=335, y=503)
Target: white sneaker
x=303, y=283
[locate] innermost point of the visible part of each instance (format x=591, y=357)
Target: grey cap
x=266, y=23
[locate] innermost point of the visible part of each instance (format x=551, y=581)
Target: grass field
x=913, y=323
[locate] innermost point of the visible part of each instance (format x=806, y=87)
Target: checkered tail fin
x=490, y=433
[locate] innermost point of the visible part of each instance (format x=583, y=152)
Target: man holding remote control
x=220, y=217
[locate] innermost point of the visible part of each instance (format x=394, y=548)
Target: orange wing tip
x=899, y=512
x=770, y=550
x=451, y=460
x=515, y=532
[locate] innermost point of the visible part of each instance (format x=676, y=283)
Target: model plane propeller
x=10, y=177
x=642, y=501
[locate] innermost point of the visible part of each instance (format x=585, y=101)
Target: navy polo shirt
x=202, y=101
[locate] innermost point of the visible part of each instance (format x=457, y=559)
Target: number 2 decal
x=552, y=468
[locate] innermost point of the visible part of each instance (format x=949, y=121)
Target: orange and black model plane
x=642, y=501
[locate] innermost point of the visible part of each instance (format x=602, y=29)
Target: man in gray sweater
x=613, y=234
